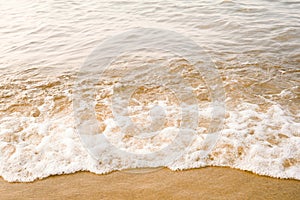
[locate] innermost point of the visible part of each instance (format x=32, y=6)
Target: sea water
x=237, y=106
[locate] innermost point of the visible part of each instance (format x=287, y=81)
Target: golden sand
x=204, y=183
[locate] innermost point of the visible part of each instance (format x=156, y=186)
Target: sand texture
x=204, y=183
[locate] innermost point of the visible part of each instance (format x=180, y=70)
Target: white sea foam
x=264, y=142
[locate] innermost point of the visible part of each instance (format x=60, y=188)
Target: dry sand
x=204, y=183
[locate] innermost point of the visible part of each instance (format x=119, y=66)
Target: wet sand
x=204, y=183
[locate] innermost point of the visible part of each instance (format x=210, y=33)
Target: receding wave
x=39, y=138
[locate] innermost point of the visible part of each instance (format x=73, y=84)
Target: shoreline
x=202, y=183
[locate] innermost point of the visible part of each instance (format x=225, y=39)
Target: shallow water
x=254, y=46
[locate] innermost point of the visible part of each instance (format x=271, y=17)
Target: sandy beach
x=93, y=87
x=204, y=183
